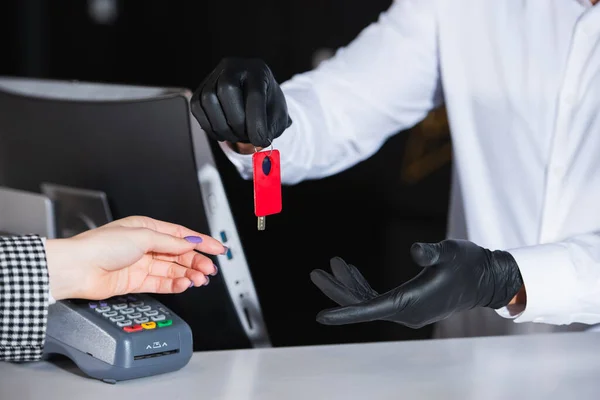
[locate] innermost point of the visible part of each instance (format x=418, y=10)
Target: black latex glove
x=240, y=101
x=457, y=276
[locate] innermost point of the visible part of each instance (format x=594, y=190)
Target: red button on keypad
x=133, y=328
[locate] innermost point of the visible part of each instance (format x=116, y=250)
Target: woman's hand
x=131, y=255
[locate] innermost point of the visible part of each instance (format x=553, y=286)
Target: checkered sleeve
x=24, y=286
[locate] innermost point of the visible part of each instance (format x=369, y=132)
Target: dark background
x=368, y=215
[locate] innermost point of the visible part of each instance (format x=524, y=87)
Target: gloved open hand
x=457, y=275
x=240, y=101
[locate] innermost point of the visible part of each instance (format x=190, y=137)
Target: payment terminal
x=119, y=338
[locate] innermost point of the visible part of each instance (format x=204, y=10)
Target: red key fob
x=267, y=182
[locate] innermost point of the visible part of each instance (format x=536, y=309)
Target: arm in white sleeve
x=385, y=81
x=562, y=281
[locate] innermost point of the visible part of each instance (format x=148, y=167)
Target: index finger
x=205, y=243
x=333, y=289
x=256, y=110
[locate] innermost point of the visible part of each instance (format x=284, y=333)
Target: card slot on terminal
x=154, y=355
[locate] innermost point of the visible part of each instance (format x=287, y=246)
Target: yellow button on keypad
x=149, y=325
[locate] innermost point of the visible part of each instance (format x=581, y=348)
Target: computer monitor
x=144, y=150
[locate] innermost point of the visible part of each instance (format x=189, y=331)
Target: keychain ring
x=270, y=145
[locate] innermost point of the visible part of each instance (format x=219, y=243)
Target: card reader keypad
x=131, y=314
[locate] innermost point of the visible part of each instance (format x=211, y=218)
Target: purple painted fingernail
x=207, y=281
x=192, y=284
x=226, y=250
x=193, y=239
x=216, y=270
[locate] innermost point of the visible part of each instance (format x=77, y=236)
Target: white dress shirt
x=521, y=83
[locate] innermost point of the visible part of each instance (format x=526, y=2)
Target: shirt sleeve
x=385, y=81
x=562, y=281
x=24, y=288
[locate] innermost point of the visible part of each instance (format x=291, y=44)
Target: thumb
x=428, y=254
x=153, y=241
x=370, y=310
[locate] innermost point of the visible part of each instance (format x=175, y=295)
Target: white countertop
x=552, y=366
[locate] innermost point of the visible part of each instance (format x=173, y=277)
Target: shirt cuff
x=549, y=284
x=51, y=299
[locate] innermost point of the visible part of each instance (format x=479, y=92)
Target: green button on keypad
x=162, y=324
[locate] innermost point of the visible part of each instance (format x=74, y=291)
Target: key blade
x=262, y=223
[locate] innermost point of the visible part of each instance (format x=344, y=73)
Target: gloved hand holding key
x=457, y=275
x=241, y=102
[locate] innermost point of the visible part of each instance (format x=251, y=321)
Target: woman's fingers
x=162, y=285
x=192, y=260
x=203, y=243
x=151, y=241
x=198, y=262
x=170, y=270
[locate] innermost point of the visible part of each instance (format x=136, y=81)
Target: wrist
x=518, y=303
x=243, y=148
x=520, y=298
x=59, y=258
x=509, y=288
